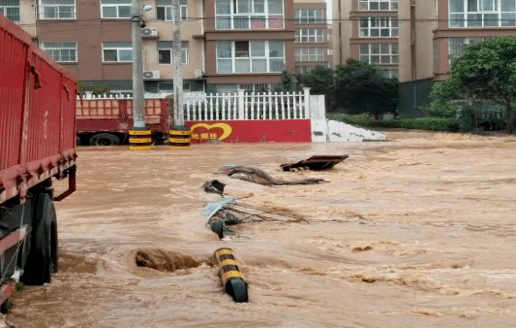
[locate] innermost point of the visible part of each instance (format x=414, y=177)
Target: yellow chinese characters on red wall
x=204, y=131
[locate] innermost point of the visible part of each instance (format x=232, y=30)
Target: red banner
x=251, y=131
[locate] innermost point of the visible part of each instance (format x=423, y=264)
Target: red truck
x=107, y=121
x=37, y=145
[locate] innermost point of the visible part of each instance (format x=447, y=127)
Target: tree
x=362, y=88
x=321, y=82
x=486, y=71
x=356, y=87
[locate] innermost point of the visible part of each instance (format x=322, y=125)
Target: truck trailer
x=37, y=146
x=107, y=121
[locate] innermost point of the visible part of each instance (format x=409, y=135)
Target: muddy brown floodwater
x=418, y=231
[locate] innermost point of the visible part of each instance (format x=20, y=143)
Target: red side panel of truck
x=116, y=115
x=37, y=114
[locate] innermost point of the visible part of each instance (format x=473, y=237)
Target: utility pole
x=179, y=135
x=178, y=63
x=139, y=136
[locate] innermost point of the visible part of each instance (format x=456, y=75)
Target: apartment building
x=416, y=39
x=312, y=45
x=21, y=12
x=367, y=30
x=92, y=39
x=248, y=43
x=226, y=44
x=463, y=22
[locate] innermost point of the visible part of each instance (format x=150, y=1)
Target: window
x=482, y=13
x=250, y=57
x=379, y=53
x=378, y=5
x=117, y=52
x=165, y=52
x=330, y=52
x=457, y=45
x=260, y=88
x=378, y=27
x=56, y=9
x=11, y=9
x=309, y=54
x=390, y=74
x=62, y=52
x=309, y=16
x=330, y=36
x=309, y=35
x=116, y=8
x=304, y=69
x=248, y=14
x=164, y=10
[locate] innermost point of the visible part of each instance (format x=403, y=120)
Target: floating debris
x=316, y=162
x=259, y=176
x=214, y=186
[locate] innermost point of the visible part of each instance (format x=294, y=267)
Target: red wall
x=252, y=131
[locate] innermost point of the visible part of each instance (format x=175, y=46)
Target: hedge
x=427, y=123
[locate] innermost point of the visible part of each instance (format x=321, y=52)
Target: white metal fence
x=248, y=106
x=239, y=105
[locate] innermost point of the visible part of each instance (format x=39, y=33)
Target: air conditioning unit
x=199, y=74
x=150, y=33
x=151, y=75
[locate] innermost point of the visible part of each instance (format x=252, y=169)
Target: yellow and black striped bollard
x=179, y=138
x=140, y=139
x=232, y=278
x=217, y=226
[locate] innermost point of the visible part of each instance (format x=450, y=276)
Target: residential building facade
x=415, y=40
x=248, y=43
x=21, y=12
x=312, y=46
x=463, y=22
x=226, y=44
x=92, y=39
x=368, y=31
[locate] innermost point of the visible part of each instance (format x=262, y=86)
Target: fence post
x=307, y=101
x=240, y=104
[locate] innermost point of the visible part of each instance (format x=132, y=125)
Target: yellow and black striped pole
x=217, y=226
x=179, y=137
x=140, y=139
x=232, y=278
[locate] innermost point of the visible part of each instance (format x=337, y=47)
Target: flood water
x=417, y=231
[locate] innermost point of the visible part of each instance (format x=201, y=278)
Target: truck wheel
x=42, y=259
x=104, y=139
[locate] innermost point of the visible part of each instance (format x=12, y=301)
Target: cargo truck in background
x=37, y=146
x=107, y=121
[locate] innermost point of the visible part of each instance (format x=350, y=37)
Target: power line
x=104, y=21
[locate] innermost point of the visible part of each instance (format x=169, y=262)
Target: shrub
x=363, y=119
x=442, y=109
x=429, y=123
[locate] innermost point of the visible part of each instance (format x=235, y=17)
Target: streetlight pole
x=139, y=136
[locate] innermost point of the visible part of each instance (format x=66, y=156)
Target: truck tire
x=104, y=139
x=42, y=260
